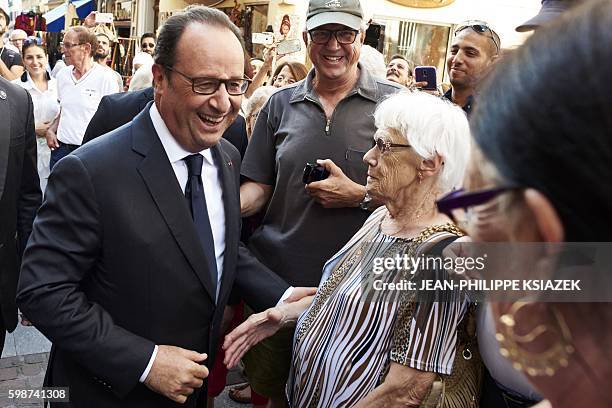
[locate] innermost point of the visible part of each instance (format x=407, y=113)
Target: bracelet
x=365, y=203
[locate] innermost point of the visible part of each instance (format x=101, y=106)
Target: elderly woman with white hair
x=359, y=341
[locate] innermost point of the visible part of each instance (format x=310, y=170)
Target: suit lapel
x=5, y=138
x=161, y=182
x=230, y=206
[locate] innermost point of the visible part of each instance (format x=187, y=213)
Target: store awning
x=55, y=18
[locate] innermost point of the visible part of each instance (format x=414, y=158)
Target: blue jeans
x=62, y=151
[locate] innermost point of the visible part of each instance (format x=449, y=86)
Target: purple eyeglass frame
x=465, y=199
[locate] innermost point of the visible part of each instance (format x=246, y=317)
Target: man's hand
x=176, y=373
x=90, y=20
x=420, y=85
x=336, y=191
x=51, y=139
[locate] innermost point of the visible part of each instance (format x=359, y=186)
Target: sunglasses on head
x=32, y=40
x=482, y=28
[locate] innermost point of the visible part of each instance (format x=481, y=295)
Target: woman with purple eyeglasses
x=543, y=127
x=364, y=340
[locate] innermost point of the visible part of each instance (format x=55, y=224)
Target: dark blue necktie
x=194, y=193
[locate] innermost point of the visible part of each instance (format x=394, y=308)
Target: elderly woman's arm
x=403, y=387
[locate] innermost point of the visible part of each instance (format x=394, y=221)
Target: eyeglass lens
x=342, y=36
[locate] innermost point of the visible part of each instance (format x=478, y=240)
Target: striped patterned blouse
x=346, y=340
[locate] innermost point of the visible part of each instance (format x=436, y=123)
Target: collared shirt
x=467, y=108
x=297, y=234
x=210, y=180
x=46, y=105
x=212, y=190
x=79, y=100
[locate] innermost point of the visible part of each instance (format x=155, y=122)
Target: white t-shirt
x=79, y=100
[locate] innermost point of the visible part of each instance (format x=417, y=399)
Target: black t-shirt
x=10, y=57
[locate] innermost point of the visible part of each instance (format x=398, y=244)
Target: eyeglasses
x=385, y=145
x=68, y=45
x=208, y=86
x=482, y=28
x=457, y=204
x=342, y=36
x=147, y=45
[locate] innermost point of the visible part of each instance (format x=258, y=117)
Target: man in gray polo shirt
x=327, y=117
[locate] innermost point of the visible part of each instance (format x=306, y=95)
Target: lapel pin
x=229, y=163
x=2, y=94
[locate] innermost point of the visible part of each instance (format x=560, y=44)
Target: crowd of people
x=232, y=210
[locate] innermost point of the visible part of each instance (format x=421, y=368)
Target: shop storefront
x=422, y=30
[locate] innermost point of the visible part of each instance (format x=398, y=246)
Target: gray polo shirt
x=297, y=234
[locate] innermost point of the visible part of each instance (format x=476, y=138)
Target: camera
x=314, y=172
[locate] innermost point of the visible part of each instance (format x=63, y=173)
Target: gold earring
x=420, y=177
x=535, y=364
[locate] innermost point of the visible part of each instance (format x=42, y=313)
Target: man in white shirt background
x=80, y=90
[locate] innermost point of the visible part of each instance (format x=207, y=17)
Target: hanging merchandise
x=30, y=22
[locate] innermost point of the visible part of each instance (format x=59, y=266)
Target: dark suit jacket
x=120, y=108
x=20, y=194
x=114, y=266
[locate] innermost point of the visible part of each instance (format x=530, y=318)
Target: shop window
x=250, y=19
x=424, y=44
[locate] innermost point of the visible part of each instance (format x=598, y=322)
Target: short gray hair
x=172, y=30
x=431, y=125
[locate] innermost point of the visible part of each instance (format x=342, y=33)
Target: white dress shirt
x=210, y=179
x=212, y=190
x=214, y=198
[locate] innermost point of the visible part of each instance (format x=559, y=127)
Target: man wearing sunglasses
x=474, y=49
x=325, y=118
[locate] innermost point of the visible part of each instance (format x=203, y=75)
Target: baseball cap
x=551, y=9
x=345, y=12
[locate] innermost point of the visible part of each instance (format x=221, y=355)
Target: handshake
x=177, y=372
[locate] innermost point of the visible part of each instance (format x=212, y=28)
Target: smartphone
x=288, y=47
x=104, y=18
x=262, y=38
x=426, y=74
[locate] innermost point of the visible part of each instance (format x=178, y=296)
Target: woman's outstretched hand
x=260, y=326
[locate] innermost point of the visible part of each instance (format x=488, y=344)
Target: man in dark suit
x=20, y=194
x=120, y=108
x=135, y=251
